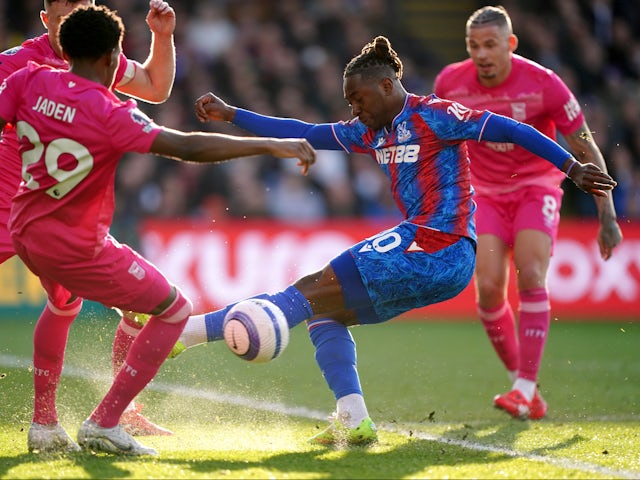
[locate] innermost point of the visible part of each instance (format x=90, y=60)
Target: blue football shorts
x=406, y=267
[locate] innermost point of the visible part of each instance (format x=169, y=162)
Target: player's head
x=91, y=33
x=372, y=85
x=54, y=11
x=490, y=43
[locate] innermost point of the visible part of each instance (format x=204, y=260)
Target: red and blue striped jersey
x=425, y=157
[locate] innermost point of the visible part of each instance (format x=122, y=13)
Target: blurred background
x=226, y=231
x=285, y=57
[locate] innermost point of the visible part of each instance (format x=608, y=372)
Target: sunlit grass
x=428, y=386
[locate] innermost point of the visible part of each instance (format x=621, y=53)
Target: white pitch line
x=406, y=429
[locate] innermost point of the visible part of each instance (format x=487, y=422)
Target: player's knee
x=490, y=291
x=178, y=310
x=65, y=306
x=531, y=277
x=347, y=318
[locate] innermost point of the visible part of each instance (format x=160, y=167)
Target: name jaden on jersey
x=56, y=110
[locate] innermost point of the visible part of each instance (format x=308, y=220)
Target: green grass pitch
x=428, y=386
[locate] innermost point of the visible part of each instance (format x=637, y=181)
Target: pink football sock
x=126, y=332
x=499, y=324
x=533, y=328
x=49, y=344
x=149, y=349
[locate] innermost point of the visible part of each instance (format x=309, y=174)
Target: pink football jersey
x=72, y=133
x=36, y=50
x=531, y=94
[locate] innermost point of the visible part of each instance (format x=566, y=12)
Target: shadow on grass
x=412, y=456
x=96, y=466
x=504, y=435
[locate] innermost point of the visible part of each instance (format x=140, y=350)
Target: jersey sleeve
x=9, y=62
x=562, y=105
x=10, y=94
x=320, y=136
x=451, y=121
x=126, y=71
x=499, y=128
x=351, y=136
x=130, y=129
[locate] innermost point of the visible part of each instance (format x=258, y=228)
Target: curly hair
x=377, y=58
x=90, y=32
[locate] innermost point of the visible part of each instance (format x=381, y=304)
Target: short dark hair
x=377, y=58
x=90, y=32
x=49, y=2
x=490, y=16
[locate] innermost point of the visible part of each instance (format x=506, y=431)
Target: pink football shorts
x=532, y=207
x=6, y=245
x=116, y=277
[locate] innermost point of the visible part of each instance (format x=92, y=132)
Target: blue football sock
x=336, y=356
x=294, y=305
x=213, y=323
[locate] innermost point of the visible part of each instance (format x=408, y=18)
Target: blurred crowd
x=285, y=58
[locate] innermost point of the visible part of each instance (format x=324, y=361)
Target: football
x=256, y=330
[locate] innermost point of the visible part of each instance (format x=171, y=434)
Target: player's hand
x=590, y=179
x=295, y=148
x=210, y=107
x=609, y=237
x=161, y=18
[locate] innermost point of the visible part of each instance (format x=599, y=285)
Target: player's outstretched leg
x=208, y=327
x=132, y=420
x=336, y=357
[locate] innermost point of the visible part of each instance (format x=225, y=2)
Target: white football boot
x=91, y=436
x=50, y=439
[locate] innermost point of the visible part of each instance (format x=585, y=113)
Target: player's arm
x=587, y=176
x=586, y=150
x=210, y=107
x=8, y=95
x=152, y=81
x=202, y=147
